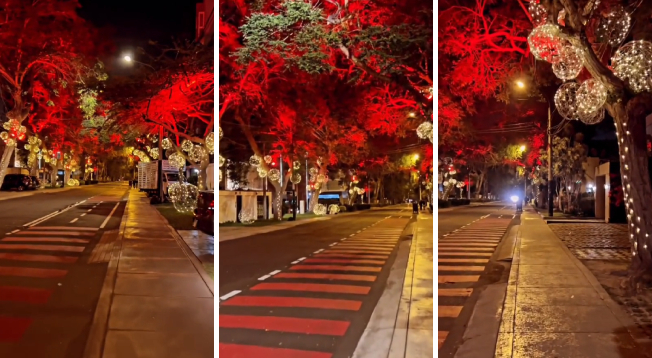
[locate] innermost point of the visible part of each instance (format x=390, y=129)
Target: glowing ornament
x=177, y=160
x=320, y=209
x=221, y=134
x=632, y=63
x=446, y=183
x=274, y=175
x=313, y=171
x=295, y=178
x=167, y=143
x=268, y=159
x=593, y=118
x=333, y=209
x=591, y=97
x=35, y=149
x=197, y=153
x=27, y=146
x=73, y=182
x=154, y=153
x=246, y=217
x=321, y=178
x=569, y=64
x=262, y=172
x=613, y=28
x=351, y=191
x=183, y=196
x=538, y=13
x=32, y=140
x=296, y=165
x=254, y=160
x=320, y=161
x=425, y=131
x=221, y=161
x=220, y=176
x=4, y=136
x=566, y=100
x=11, y=142
x=210, y=141
x=544, y=42
x=186, y=145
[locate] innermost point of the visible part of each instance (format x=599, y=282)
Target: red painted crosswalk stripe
x=243, y=351
x=45, y=239
x=345, y=261
x=13, y=328
x=24, y=294
x=55, y=233
x=31, y=272
x=285, y=324
x=38, y=258
x=354, y=256
x=65, y=228
x=303, y=302
x=327, y=276
x=336, y=268
x=313, y=287
x=42, y=247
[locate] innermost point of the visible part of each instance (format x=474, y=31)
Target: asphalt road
x=306, y=291
x=467, y=248
x=50, y=272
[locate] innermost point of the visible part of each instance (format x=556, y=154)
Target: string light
x=254, y=160
x=320, y=209
x=221, y=134
x=321, y=178
x=425, y=130
x=295, y=178
x=166, y=143
x=614, y=27
x=544, y=42
x=184, y=196
x=296, y=165
x=569, y=63
x=268, y=159
x=274, y=175
x=632, y=63
x=566, y=100
x=221, y=161
x=186, y=145
x=333, y=209
x=177, y=160
x=262, y=172
x=210, y=141
x=538, y=13
x=246, y=216
x=591, y=96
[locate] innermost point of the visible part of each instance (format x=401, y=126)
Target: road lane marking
x=61, y=228
x=42, y=247
x=328, y=276
x=240, y=350
x=74, y=220
x=84, y=214
x=449, y=311
x=229, y=295
x=454, y=292
x=51, y=215
x=483, y=254
x=32, y=272
x=318, y=251
x=274, y=272
x=15, y=231
x=333, y=244
x=303, y=302
x=345, y=261
x=457, y=279
x=469, y=261
x=441, y=337
x=313, y=287
x=263, y=278
x=38, y=258
x=284, y=324
x=44, y=239
x=24, y=294
x=336, y=268
x=109, y=217
x=460, y=268
x=18, y=326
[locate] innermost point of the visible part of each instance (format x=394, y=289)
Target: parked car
x=18, y=182
x=205, y=212
x=35, y=183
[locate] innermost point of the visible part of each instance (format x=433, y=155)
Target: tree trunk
x=202, y=176
x=478, y=189
x=637, y=191
x=4, y=163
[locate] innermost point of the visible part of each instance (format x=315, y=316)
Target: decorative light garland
x=425, y=130
x=274, y=175
x=566, y=100
x=613, y=28
x=210, y=141
x=296, y=178
x=186, y=145
x=333, y=209
x=320, y=209
x=632, y=63
x=591, y=97
x=538, y=13
x=246, y=216
x=544, y=42
x=166, y=144
x=255, y=160
x=569, y=63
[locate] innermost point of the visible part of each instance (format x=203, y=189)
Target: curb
x=97, y=333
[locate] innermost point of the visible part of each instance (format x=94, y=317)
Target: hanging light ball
x=317, y=186
x=186, y=146
x=321, y=178
x=177, y=160
x=33, y=140
x=593, y=118
x=221, y=161
x=351, y=191
x=154, y=153
x=313, y=171
x=183, y=196
x=210, y=141
x=35, y=149
x=220, y=176
x=254, y=160
x=296, y=165
x=167, y=143
x=544, y=42
x=569, y=63
x=333, y=209
x=4, y=136
x=246, y=216
x=538, y=13
x=320, y=209
x=11, y=142
x=591, y=96
x=566, y=100
x=274, y=175
x=295, y=178
x=27, y=146
x=262, y=172
x=446, y=183
x=197, y=154
x=268, y=159
x=453, y=181
x=425, y=131
x=632, y=63
x=614, y=27
x=221, y=134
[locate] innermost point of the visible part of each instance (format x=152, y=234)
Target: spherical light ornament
x=321, y=178
x=11, y=142
x=221, y=134
x=220, y=176
x=177, y=160
x=317, y=186
x=313, y=171
x=452, y=172
x=210, y=141
x=27, y=146
x=73, y=182
x=425, y=131
x=632, y=63
x=446, y=183
x=274, y=175
x=566, y=100
x=295, y=178
x=4, y=136
x=35, y=149
x=183, y=196
x=453, y=181
x=254, y=160
x=23, y=129
x=593, y=118
x=614, y=27
x=167, y=143
x=545, y=42
x=268, y=159
x=538, y=13
x=351, y=191
x=296, y=165
x=154, y=153
x=333, y=209
x=33, y=140
x=569, y=63
x=591, y=96
x=262, y=172
x=221, y=161
x=186, y=146
x=246, y=216
x=320, y=209
x=197, y=154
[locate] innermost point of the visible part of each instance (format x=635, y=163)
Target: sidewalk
x=401, y=325
x=554, y=307
x=156, y=300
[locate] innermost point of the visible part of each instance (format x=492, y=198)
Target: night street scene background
x=544, y=115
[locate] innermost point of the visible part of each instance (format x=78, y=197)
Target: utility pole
x=550, y=211
x=265, y=209
x=468, y=188
x=161, y=190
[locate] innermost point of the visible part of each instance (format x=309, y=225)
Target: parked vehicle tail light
x=211, y=206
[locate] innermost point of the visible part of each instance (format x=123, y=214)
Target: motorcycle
x=519, y=203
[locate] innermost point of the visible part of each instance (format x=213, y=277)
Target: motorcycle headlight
x=514, y=198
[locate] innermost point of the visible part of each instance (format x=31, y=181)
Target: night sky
x=132, y=23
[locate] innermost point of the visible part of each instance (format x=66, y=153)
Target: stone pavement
x=413, y=332
x=590, y=241
x=156, y=302
x=554, y=307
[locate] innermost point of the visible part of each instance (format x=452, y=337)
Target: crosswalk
x=462, y=258
x=305, y=310
x=33, y=264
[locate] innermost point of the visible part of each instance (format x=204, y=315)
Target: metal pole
x=306, y=208
x=265, y=209
x=161, y=191
x=550, y=213
x=468, y=188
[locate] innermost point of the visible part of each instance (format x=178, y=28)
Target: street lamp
x=521, y=84
x=127, y=58
x=522, y=148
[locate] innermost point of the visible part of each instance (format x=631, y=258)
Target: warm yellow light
x=522, y=148
x=520, y=84
x=412, y=114
x=416, y=156
x=127, y=58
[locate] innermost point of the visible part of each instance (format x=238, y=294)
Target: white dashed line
x=318, y=251
x=73, y=220
x=15, y=231
x=263, y=278
x=344, y=239
x=358, y=231
x=295, y=262
x=274, y=272
x=84, y=214
x=229, y=295
x=89, y=210
x=351, y=235
x=333, y=244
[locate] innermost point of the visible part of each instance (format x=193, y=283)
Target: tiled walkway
x=594, y=241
